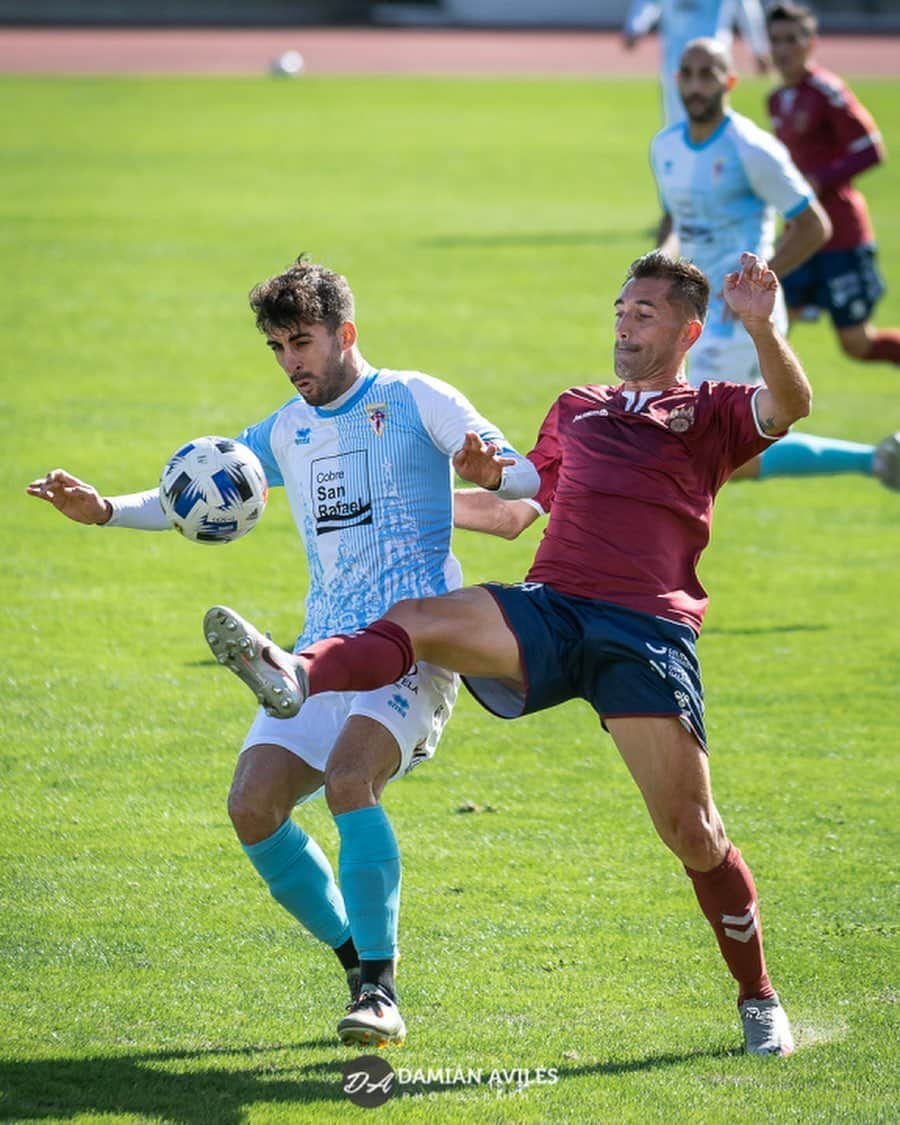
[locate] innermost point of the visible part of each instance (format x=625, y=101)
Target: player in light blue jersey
x=680, y=21
x=722, y=182
x=366, y=457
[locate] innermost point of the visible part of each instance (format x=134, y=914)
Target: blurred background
x=835, y=15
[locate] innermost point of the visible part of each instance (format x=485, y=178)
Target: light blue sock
x=300, y=878
x=369, y=870
x=803, y=455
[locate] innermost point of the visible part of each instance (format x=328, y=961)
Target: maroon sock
x=727, y=897
x=885, y=346
x=371, y=658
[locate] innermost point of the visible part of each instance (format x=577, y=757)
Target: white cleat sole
x=278, y=683
x=369, y=1037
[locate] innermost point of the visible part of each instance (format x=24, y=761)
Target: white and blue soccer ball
x=213, y=490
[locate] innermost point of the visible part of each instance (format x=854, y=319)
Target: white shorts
x=414, y=710
x=724, y=350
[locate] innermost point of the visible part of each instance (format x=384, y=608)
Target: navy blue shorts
x=846, y=283
x=624, y=663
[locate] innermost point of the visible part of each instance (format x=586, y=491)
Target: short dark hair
x=305, y=293
x=688, y=285
x=793, y=13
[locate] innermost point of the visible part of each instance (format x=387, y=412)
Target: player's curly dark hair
x=793, y=13
x=688, y=284
x=305, y=292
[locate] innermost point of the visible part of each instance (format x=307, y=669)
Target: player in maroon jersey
x=612, y=606
x=832, y=138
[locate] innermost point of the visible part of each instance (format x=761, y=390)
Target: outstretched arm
x=787, y=395
x=74, y=498
x=474, y=509
x=81, y=502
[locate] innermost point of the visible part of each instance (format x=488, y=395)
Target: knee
x=856, y=347
x=348, y=788
x=697, y=837
x=254, y=817
x=410, y=614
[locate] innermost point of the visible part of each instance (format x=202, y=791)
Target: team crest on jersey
x=800, y=121
x=680, y=419
x=718, y=170
x=377, y=413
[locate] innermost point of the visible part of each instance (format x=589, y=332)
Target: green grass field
x=485, y=227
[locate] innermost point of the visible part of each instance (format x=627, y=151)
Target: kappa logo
x=680, y=419
x=302, y=436
x=603, y=413
x=377, y=413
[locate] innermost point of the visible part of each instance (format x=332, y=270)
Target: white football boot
x=372, y=1020
x=766, y=1027
x=886, y=461
x=274, y=676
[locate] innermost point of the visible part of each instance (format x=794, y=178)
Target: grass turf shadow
x=150, y=1085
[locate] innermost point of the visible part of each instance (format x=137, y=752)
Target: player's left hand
x=480, y=462
x=750, y=293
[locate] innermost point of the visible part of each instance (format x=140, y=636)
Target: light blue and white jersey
x=369, y=481
x=680, y=21
x=723, y=194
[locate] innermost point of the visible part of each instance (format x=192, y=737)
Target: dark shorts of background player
x=624, y=663
x=845, y=283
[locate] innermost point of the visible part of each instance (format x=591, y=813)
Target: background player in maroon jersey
x=612, y=606
x=832, y=138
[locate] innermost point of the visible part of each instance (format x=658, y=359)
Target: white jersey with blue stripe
x=723, y=193
x=369, y=481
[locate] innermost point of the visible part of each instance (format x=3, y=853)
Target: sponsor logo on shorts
x=400, y=704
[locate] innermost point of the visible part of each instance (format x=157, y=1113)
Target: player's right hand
x=75, y=498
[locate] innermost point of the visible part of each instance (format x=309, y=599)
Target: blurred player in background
x=366, y=457
x=721, y=180
x=680, y=21
x=832, y=138
x=612, y=605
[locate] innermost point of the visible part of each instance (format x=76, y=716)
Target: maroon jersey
x=832, y=137
x=629, y=479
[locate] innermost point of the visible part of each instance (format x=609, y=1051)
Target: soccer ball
x=287, y=65
x=213, y=490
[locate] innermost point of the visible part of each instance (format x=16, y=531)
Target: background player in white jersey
x=366, y=457
x=680, y=21
x=722, y=180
